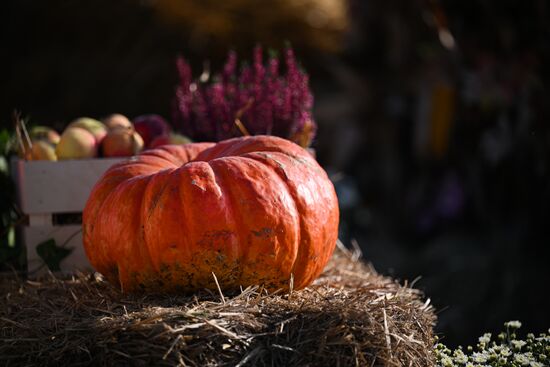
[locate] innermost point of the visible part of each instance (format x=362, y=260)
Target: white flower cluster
x=508, y=351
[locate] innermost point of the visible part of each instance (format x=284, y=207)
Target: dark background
x=433, y=120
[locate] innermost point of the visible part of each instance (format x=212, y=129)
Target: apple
x=94, y=126
x=76, y=143
x=116, y=120
x=38, y=133
x=121, y=142
x=151, y=126
x=43, y=151
x=171, y=138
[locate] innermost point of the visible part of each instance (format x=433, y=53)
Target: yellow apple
x=43, y=151
x=94, y=126
x=76, y=143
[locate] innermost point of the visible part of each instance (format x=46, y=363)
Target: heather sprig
x=504, y=351
x=260, y=96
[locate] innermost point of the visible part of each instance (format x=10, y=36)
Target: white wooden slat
x=38, y=220
x=58, y=187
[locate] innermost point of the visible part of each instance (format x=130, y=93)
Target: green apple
x=94, y=126
x=171, y=138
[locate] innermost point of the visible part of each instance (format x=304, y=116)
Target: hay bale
x=350, y=316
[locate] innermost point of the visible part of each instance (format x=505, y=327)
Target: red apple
x=151, y=126
x=116, y=120
x=121, y=142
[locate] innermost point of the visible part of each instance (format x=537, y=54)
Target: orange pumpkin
x=252, y=210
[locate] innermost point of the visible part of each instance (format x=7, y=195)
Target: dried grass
x=351, y=316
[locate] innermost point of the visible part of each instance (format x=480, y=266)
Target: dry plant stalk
x=350, y=316
x=22, y=136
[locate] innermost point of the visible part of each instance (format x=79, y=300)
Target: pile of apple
x=113, y=136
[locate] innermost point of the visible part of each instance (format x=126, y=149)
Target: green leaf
x=5, y=138
x=3, y=165
x=52, y=254
x=11, y=237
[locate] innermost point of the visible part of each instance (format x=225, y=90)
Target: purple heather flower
x=264, y=100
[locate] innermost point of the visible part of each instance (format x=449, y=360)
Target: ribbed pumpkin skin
x=253, y=210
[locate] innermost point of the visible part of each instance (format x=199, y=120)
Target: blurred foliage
x=258, y=99
x=310, y=24
x=77, y=58
x=11, y=254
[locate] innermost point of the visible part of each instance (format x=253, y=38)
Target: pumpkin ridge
x=161, y=154
x=148, y=207
x=213, y=152
x=279, y=170
x=220, y=167
x=175, y=154
x=175, y=196
x=232, y=147
x=132, y=276
x=292, y=248
x=311, y=165
x=298, y=160
x=92, y=212
x=231, y=213
x=205, y=217
x=305, y=159
x=156, y=196
x=104, y=259
x=122, y=250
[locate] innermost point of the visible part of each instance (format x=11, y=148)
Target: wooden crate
x=47, y=192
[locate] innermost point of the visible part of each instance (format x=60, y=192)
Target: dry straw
x=350, y=316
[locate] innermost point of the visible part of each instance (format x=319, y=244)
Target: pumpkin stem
x=241, y=127
x=240, y=114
